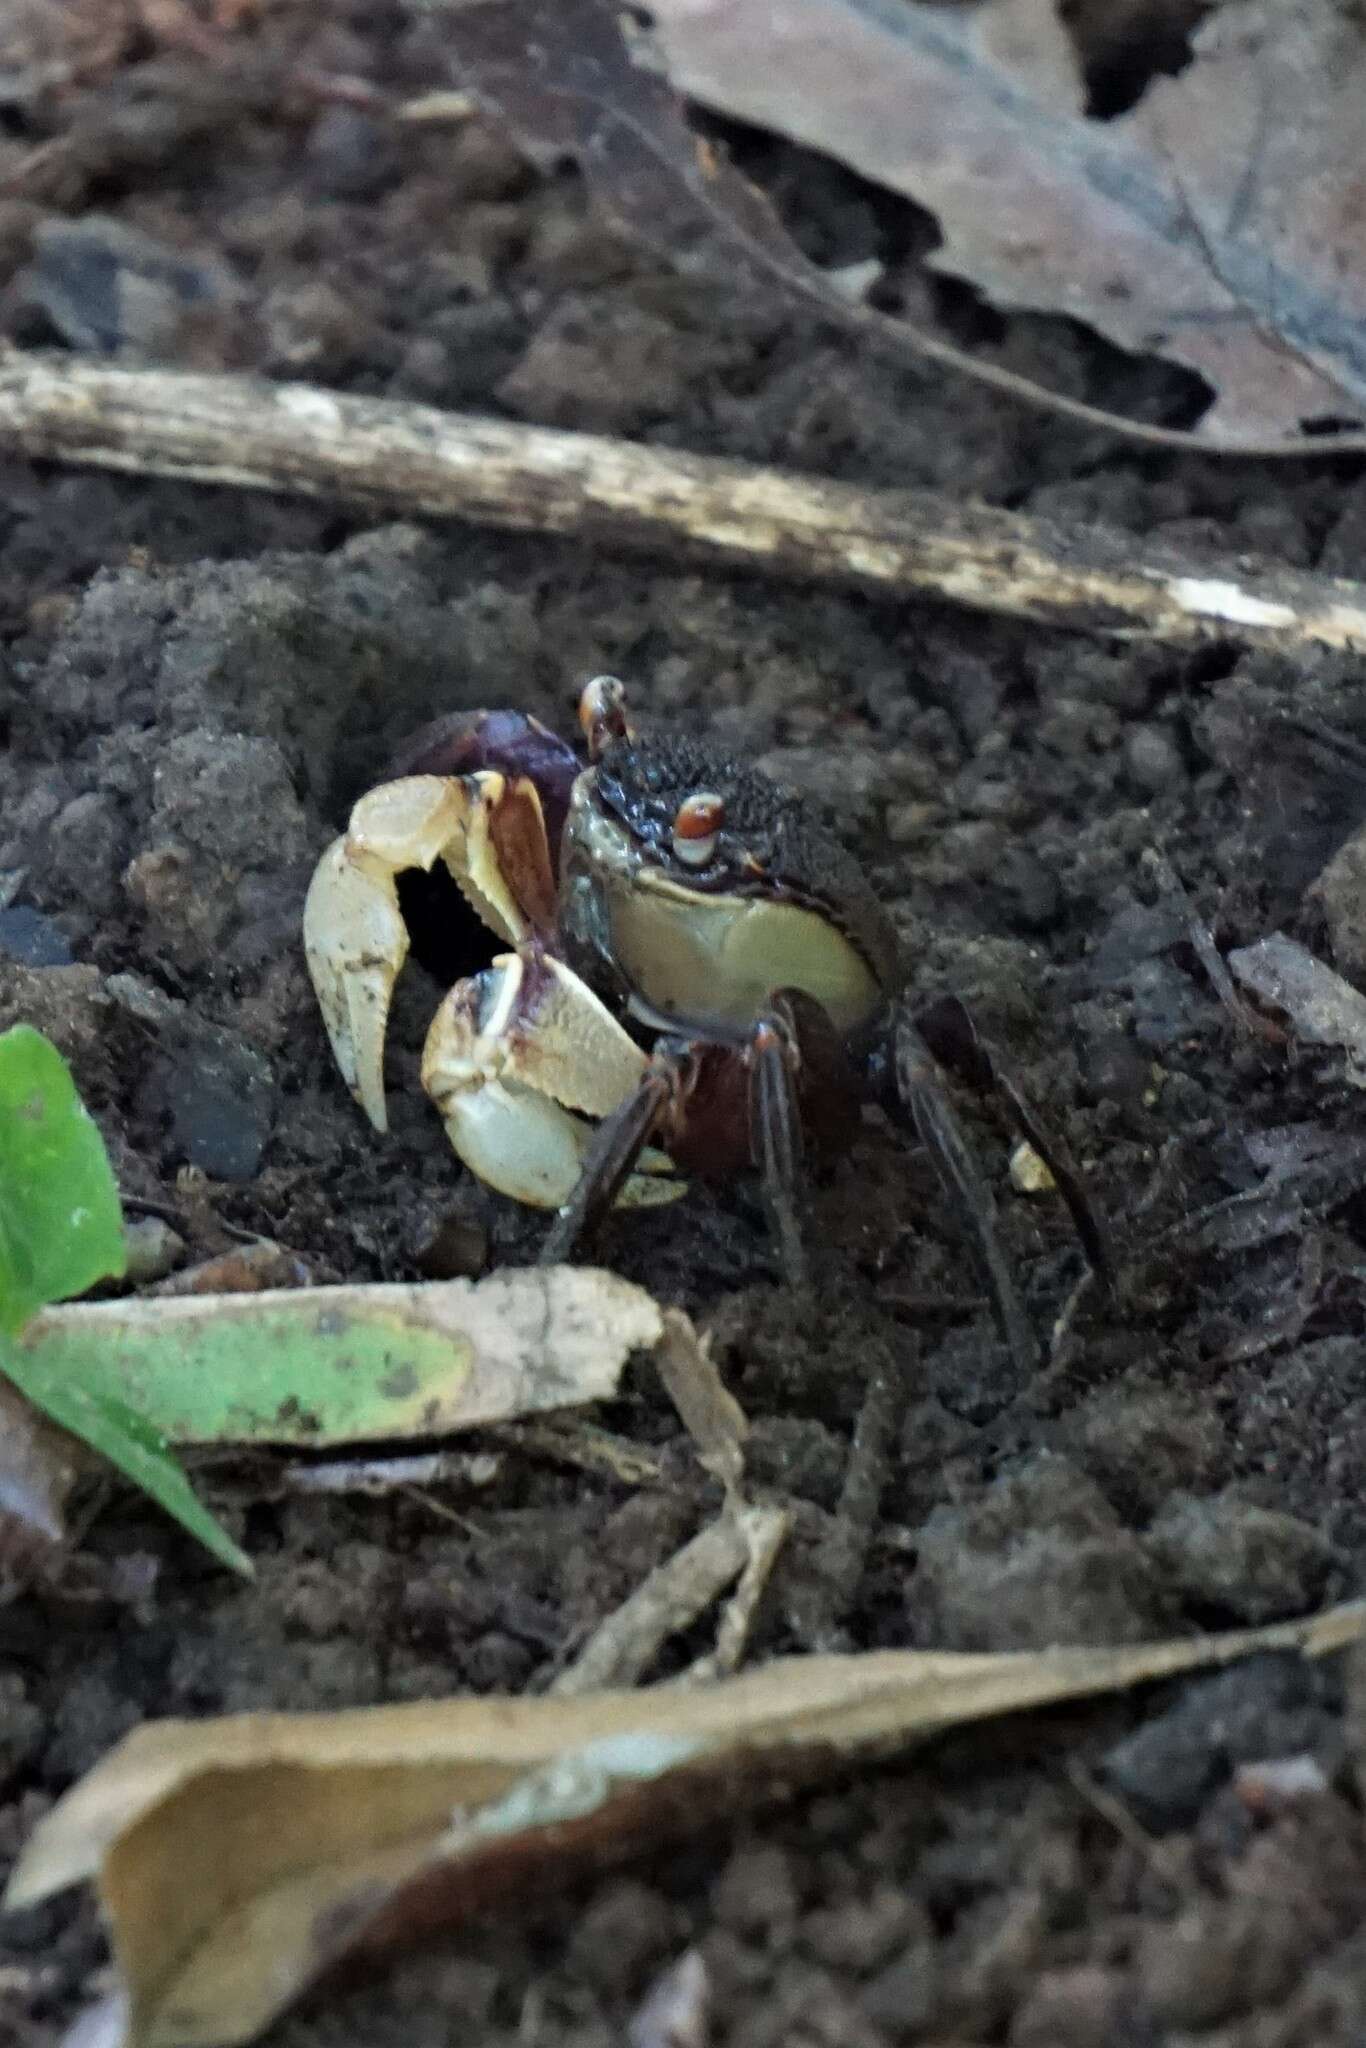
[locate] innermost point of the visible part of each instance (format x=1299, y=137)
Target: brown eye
x=698, y=820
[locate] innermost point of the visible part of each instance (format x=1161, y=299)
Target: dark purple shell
x=508, y=742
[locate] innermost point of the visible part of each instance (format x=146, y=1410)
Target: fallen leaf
x=1218, y=223
x=330, y=1365
x=238, y=1859
x=560, y=74
x=39, y=1465
x=61, y=1228
x=1323, y=1008
x=127, y=1439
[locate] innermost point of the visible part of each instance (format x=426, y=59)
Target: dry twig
x=586, y=1446
x=825, y=1599
x=411, y=459
x=707, y=1409
x=671, y=1598
x=766, y=1530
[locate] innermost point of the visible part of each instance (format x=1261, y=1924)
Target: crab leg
x=354, y=935
x=776, y=1132
x=920, y=1093
x=618, y=1145
x=513, y=1056
x=949, y=1029
x=682, y=1076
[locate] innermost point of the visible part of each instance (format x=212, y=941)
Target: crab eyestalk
x=602, y=714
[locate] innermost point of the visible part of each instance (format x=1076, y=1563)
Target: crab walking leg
x=950, y=1030
x=511, y=1056
x=920, y=1095
x=677, y=1074
x=618, y=1144
x=354, y=935
x=775, y=1122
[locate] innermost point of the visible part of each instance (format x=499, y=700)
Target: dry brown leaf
x=238, y=1859
x=577, y=77
x=39, y=1465
x=1218, y=223
x=1323, y=1008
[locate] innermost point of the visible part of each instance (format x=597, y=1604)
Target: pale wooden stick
x=412, y=459
x=670, y=1598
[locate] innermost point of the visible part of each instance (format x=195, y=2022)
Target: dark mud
x=195, y=685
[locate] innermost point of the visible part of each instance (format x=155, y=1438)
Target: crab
x=700, y=978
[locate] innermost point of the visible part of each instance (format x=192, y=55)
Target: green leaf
x=127, y=1439
x=321, y=1366
x=61, y=1228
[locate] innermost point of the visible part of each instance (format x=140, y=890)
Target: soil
x=195, y=686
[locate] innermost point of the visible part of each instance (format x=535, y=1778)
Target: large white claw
x=355, y=941
x=354, y=935
x=511, y=1055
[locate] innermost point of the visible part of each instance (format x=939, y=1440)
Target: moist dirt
x=196, y=684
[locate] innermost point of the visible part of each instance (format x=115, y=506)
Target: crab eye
x=602, y=713
x=698, y=820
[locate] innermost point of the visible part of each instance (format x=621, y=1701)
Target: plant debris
x=1322, y=1008
x=321, y=1366
x=1214, y=223
x=622, y=1648
x=61, y=1231
x=239, y=1860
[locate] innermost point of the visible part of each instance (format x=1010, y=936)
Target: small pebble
x=351, y=155
x=1036, y=1557
x=1153, y=759
x=217, y=1095
x=106, y=286
x=1340, y=894
x=674, y=2011
x=1037, y=896
x=1264, y=1707
x=1251, y=1563
x=152, y=1249
x=1029, y=1174
x=32, y=939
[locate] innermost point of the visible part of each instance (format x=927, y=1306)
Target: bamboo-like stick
x=411, y=459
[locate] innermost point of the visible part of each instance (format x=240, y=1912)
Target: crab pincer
x=517, y=1056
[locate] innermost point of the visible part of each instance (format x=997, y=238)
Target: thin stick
x=767, y=1530
x=671, y=1598
x=410, y=459
x=826, y=1598
x=706, y=1407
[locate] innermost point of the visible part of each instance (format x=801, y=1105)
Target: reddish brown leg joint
x=775, y=1126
